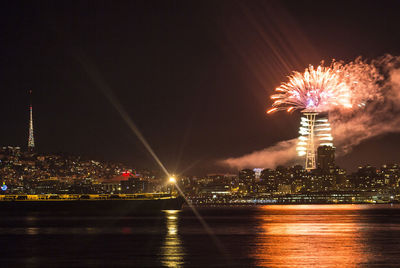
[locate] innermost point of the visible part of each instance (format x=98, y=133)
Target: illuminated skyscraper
x=31, y=140
x=325, y=158
x=314, y=131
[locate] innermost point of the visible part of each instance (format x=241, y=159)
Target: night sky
x=194, y=76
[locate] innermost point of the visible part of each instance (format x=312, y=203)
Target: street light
x=172, y=180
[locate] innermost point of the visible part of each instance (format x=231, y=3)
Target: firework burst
x=370, y=88
x=317, y=89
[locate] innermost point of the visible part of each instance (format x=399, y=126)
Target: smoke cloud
x=281, y=153
x=376, y=112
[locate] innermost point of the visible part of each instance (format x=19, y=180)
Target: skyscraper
x=326, y=158
x=31, y=140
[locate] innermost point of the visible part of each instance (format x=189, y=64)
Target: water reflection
x=172, y=254
x=32, y=231
x=309, y=236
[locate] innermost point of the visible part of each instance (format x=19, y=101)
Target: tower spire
x=315, y=131
x=310, y=153
x=31, y=140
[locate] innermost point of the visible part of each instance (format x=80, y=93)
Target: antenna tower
x=31, y=140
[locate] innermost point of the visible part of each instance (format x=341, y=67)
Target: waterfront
x=264, y=236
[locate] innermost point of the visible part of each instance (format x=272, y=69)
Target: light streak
x=95, y=76
x=107, y=91
x=206, y=227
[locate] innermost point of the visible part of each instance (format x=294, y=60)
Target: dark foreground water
x=268, y=236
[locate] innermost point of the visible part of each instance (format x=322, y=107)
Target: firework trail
x=361, y=98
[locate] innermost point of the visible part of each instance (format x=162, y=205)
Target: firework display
x=316, y=92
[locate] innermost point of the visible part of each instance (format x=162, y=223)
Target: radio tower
x=31, y=140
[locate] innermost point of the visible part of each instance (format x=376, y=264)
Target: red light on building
x=126, y=173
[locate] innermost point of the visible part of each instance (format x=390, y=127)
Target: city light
x=200, y=133
x=126, y=174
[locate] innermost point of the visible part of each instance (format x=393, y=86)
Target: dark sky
x=194, y=76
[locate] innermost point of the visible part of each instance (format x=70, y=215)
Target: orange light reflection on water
x=309, y=235
x=315, y=207
x=172, y=253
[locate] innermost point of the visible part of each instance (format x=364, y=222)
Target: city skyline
x=192, y=117
x=200, y=133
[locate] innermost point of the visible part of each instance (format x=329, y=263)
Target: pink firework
x=316, y=90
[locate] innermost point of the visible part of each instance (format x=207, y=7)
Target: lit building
x=257, y=172
x=246, y=180
x=269, y=179
x=247, y=175
x=135, y=185
x=326, y=158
